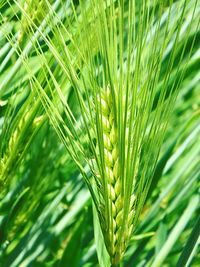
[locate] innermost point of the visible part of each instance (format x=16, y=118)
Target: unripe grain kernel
x=116, y=169
x=108, y=158
x=111, y=192
x=119, y=218
x=115, y=153
x=119, y=203
x=113, y=135
x=110, y=176
x=107, y=142
x=105, y=124
x=118, y=187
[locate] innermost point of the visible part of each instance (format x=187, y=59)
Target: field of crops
x=99, y=133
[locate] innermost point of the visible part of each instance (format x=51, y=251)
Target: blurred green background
x=45, y=207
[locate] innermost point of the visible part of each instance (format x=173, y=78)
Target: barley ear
x=18, y=142
x=116, y=235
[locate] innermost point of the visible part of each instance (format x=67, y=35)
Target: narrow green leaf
x=161, y=236
x=190, y=245
x=72, y=251
x=176, y=231
x=102, y=253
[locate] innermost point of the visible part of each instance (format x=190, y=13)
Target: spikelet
x=17, y=144
x=116, y=234
x=35, y=12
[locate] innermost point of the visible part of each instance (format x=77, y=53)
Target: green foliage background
x=46, y=216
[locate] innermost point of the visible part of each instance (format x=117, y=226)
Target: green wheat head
x=125, y=98
x=20, y=136
x=111, y=184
